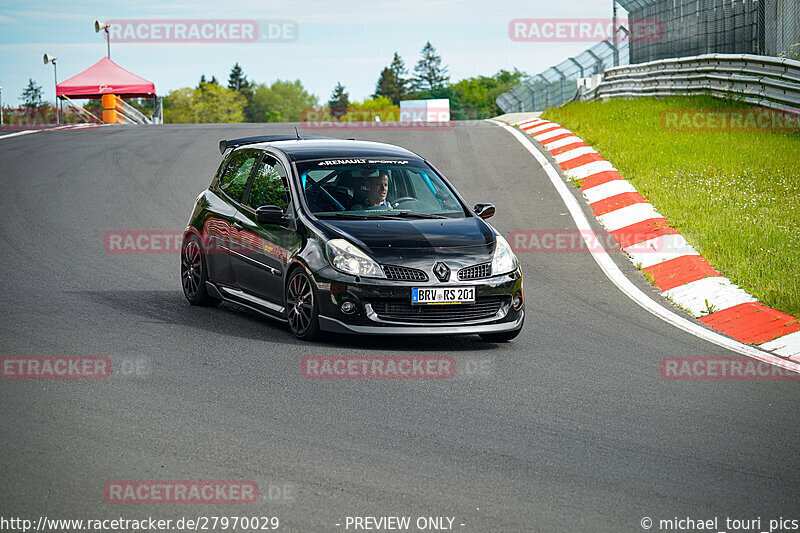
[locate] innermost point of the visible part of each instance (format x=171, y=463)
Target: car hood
x=417, y=234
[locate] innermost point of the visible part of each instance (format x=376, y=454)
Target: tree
x=204, y=81
x=386, y=85
x=367, y=110
x=478, y=95
x=283, y=101
x=473, y=98
x=430, y=74
x=237, y=80
x=391, y=83
x=339, y=101
x=398, y=66
x=32, y=96
x=208, y=103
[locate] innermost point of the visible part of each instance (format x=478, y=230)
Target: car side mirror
x=484, y=210
x=271, y=214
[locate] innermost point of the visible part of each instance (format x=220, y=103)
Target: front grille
x=403, y=311
x=404, y=273
x=475, y=272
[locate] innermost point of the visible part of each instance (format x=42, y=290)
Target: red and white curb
x=673, y=265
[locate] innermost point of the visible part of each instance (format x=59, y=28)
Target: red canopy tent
x=105, y=77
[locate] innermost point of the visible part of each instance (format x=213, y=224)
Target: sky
x=347, y=41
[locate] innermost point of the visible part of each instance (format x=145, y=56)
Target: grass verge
x=734, y=195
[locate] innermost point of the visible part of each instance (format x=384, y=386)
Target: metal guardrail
x=131, y=115
x=80, y=110
x=761, y=80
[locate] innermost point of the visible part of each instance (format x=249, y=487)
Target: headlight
x=504, y=260
x=347, y=258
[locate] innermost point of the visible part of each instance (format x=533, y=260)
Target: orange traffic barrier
x=109, y=101
x=110, y=116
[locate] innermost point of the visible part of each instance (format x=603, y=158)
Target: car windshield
x=368, y=188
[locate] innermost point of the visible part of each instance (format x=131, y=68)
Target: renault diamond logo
x=442, y=271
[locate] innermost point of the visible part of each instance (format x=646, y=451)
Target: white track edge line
x=18, y=133
x=612, y=271
x=57, y=128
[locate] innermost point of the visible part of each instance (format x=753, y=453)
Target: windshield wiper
x=382, y=214
x=343, y=214
x=409, y=214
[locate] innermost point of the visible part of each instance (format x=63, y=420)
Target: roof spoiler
x=233, y=143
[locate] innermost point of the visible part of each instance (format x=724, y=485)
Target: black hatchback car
x=348, y=236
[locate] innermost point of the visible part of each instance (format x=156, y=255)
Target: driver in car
x=377, y=187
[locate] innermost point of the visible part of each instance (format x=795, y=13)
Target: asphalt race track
x=568, y=428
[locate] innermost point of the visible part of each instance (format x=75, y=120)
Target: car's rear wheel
x=301, y=306
x=194, y=274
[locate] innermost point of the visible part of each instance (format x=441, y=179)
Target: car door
x=260, y=262
x=218, y=225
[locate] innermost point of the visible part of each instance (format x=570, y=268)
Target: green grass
x=735, y=196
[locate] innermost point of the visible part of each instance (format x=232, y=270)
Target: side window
x=234, y=180
x=269, y=185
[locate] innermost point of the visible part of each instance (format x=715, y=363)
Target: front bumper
x=337, y=326
x=382, y=307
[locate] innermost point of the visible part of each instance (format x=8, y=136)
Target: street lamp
x=103, y=26
x=1, y=106
x=616, y=43
x=52, y=59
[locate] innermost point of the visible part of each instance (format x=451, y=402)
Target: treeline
x=242, y=100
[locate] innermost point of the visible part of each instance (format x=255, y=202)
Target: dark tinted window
x=234, y=179
x=269, y=185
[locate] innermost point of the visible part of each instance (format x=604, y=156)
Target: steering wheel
x=403, y=199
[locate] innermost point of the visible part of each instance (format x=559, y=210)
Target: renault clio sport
x=348, y=236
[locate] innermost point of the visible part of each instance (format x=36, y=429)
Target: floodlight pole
x=614, y=34
x=104, y=26
x=55, y=86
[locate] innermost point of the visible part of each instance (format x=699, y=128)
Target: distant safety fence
x=762, y=80
x=695, y=27
x=559, y=84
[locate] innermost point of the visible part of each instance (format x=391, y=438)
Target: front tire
x=194, y=274
x=301, y=306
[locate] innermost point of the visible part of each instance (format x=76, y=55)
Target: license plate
x=454, y=295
